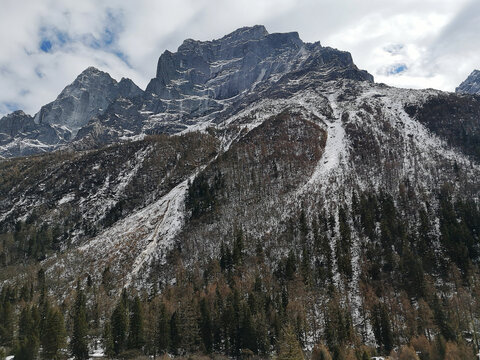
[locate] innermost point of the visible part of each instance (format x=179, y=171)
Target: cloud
x=46, y=44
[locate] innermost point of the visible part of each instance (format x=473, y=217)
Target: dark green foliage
x=54, y=338
x=338, y=325
x=412, y=274
x=206, y=327
x=382, y=327
x=344, y=245
x=442, y=320
x=201, y=196
x=7, y=323
x=163, y=330
x=28, y=335
x=136, y=338
x=119, y=327
x=108, y=344
x=459, y=226
x=79, y=340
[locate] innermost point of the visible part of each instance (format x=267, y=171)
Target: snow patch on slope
x=140, y=238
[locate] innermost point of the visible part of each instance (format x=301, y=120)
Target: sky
x=45, y=44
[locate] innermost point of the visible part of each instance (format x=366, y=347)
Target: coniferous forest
x=246, y=304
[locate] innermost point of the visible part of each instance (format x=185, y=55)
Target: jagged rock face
x=471, y=85
x=224, y=68
x=207, y=82
x=203, y=82
x=456, y=119
x=89, y=95
x=20, y=135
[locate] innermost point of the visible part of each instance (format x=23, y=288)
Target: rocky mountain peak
x=87, y=96
x=223, y=68
x=246, y=33
x=471, y=85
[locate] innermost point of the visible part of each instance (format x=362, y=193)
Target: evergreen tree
x=28, y=342
x=163, y=330
x=175, y=337
x=54, y=338
x=442, y=321
x=289, y=348
x=382, y=327
x=79, y=341
x=237, y=256
x=206, y=330
x=7, y=322
x=136, y=338
x=119, y=327
x=108, y=340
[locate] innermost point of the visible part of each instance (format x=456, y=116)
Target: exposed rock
x=471, y=85
x=89, y=95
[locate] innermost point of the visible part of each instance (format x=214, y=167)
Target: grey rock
x=20, y=135
x=224, y=68
x=89, y=95
x=203, y=82
x=471, y=85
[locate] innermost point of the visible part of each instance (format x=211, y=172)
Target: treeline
x=364, y=274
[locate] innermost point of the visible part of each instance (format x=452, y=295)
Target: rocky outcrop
x=471, y=85
x=88, y=96
x=20, y=135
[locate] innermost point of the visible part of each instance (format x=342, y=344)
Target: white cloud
x=436, y=40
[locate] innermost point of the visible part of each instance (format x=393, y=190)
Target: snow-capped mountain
x=337, y=195
x=267, y=126
x=471, y=85
x=202, y=83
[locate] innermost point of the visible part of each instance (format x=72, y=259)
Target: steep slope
x=471, y=85
x=20, y=135
x=206, y=82
x=58, y=122
x=338, y=202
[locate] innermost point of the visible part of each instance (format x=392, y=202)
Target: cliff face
x=471, y=85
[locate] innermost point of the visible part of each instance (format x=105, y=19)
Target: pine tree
x=28, y=342
x=289, y=347
x=108, y=340
x=442, y=320
x=237, y=256
x=206, y=326
x=119, y=327
x=79, y=341
x=7, y=323
x=54, y=338
x=136, y=338
x=163, y=330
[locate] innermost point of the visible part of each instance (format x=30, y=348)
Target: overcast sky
x=45, y=44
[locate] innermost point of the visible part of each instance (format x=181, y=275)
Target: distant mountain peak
x=471, y=85
x=247, y=33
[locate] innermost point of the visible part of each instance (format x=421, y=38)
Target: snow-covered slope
x=302, y=134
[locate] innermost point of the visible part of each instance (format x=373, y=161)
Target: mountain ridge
x=190, y=84
x=314, y=200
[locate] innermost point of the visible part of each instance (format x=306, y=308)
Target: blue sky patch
x=396, y=69
x=45, y=45
x=51, y=37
